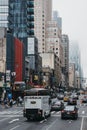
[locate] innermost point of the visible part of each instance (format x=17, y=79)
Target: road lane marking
x=15, y=127
x=82, y=123
x=51, y=125
x=11, y=115
x=4, y=119
x=11, y=112
x=52, y=112
x=83, y=112
x=58, y=112
x=14, y=120
x=70, y=121
x=43, y=120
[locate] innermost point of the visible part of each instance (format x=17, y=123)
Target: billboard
x=31, y=44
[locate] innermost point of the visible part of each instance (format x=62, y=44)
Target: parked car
x=72, y=101
x=69, y=112
x=57, y=106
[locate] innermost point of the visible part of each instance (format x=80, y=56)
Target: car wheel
x=62, y=117
x=76, y=116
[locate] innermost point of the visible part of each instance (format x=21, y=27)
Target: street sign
x=8, y=75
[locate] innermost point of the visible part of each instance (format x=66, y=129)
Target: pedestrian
x=6, y=103
x=20, y=100
x=11, y=102
x=9, y=96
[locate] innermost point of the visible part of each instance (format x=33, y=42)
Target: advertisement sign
x=8, y=75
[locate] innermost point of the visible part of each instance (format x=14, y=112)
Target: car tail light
x=39, y=112
x=73, y=111
x=62, y=111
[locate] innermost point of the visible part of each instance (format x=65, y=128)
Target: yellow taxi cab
x=66, y=98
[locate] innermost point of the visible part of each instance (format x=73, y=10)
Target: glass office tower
x=17, y=23
x=21, y=18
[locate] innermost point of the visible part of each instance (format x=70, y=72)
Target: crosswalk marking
x=19, y=113
x=52, y=112
x=83, y=112
x=11, y=112
x=58, y=112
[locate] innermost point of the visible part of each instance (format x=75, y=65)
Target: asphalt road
x=12, y=119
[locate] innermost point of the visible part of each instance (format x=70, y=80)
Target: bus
x=37, y=103
x=18, y=89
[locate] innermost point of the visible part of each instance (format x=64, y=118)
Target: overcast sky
x=74, y=23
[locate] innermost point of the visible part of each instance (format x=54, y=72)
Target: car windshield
x=69, y=108
x=57, y=103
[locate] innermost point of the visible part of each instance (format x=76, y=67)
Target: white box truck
x=37, y=103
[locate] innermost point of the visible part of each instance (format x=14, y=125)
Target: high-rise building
x=75, y=57
x=72, y=75
x=17, y=20
x=57, y=19
x=65, y=43
x=4, y=13
x=29, y=18
x=42, y=14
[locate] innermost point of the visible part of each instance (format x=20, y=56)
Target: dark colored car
x=75, y=96
x=69, y=112
x=57, y=106
x=72, y=101
x=84, y=99
x=60, y=96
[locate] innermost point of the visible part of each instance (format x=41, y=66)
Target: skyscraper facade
x=21, y=20
x=58, y=19
x=42, y=14
x=65, y=43
x=4, y=13
x=29, y=18
x=17, y=20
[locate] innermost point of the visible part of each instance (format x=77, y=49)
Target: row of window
x=3, y=9
x=4, y=2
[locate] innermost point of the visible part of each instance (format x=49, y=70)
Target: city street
x=43, y=65
x=12, y=119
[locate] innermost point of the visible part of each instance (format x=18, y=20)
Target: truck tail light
x=39, y=112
